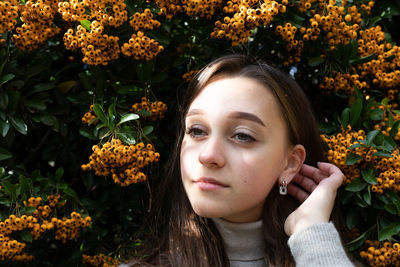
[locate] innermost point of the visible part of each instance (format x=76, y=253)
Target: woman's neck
x=242, y=241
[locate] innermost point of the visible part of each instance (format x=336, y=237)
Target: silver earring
x=283, y=188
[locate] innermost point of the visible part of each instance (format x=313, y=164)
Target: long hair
x=182, y=238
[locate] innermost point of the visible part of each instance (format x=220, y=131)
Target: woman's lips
x=209, y=184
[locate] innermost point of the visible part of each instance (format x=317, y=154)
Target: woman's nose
x=212, y=153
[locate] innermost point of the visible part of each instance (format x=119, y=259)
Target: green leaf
x=5, y=154
x=47, y=119
x=393, y=197
x=356, y=185
x=367, y=195
x=352, y=219
x=389, y=231
x=389, y=143
x=25, y=235
x=352, y=159
x=13, y=100
x=3, y=100
x=100, y=113
x=4, y=127
x=59, y=174
x=29, y=210
x=345, y=118
x=87, y=133
x=395, y=129
x=6, y=78
x=369, y=176
x=384, y=199
x=392, y=208
x=355, y=111
x=112, y=114
x=86, y=24
x=359, y=201
x=362, y=59
x=19, y=125
x=126, y=138
x=10, y=189
x=358, y=242
x=144, y=113
x=40, y=87
x=23, y=183
x=315, y=61
x=355, y=146
x=376, y=114
x=2, y=172
x=35, y=104
x=128, y=117
x=381, y=154
x=371, y=136
x=69, y=192
x=147, y=130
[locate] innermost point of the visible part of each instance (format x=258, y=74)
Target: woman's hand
x=316, y=189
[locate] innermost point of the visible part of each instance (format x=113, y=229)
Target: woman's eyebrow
x=246, y=116
x=194, y=112
x=235, y=115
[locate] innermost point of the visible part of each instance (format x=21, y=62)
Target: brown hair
x=190, y=240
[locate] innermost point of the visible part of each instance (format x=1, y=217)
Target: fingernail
x=318, y=163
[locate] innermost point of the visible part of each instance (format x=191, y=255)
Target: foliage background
x=349, y=68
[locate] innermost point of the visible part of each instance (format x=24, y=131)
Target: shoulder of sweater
x=318, y=245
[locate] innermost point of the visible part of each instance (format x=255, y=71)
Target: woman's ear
x=294, y=161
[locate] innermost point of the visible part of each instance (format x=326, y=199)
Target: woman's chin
x=207, y=212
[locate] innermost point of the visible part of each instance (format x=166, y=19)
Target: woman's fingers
x=309, y=178
x=309, y=171
x=297, y=193
x=305, y=182
x=335, y=175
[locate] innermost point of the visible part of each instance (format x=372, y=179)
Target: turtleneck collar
x=243, y=241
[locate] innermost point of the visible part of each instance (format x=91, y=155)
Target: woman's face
x=234, y=150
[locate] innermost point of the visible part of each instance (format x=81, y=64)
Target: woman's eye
x=244, y=138
x=195, y=132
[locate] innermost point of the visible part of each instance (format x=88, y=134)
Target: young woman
x=241, y=189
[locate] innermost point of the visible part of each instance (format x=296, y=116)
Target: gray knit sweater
x=315, y=246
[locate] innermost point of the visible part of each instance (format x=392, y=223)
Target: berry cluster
x=294, y=47
x=68, y=229
x=37, y=224
x=90, y=117
x=201, y=8
x=8, y=15
x=107, y=12
x=387, y=174
x=156, y=109
x=73, y=10
x=305, y=5
x=11, y=249
x=37, y=17
x=381, y=255
x=144, y=21
x=97, y=48
x=367, y=7
x=99, y=260
x=342, y=82
x=169, y=8
x=247, y=15
x=141, y=47
x=123, y=162
x=188, y=76
x=384, y=67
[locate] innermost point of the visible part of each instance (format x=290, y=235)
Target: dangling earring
x=283, y=188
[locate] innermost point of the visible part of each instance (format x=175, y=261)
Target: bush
x=88, y=96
